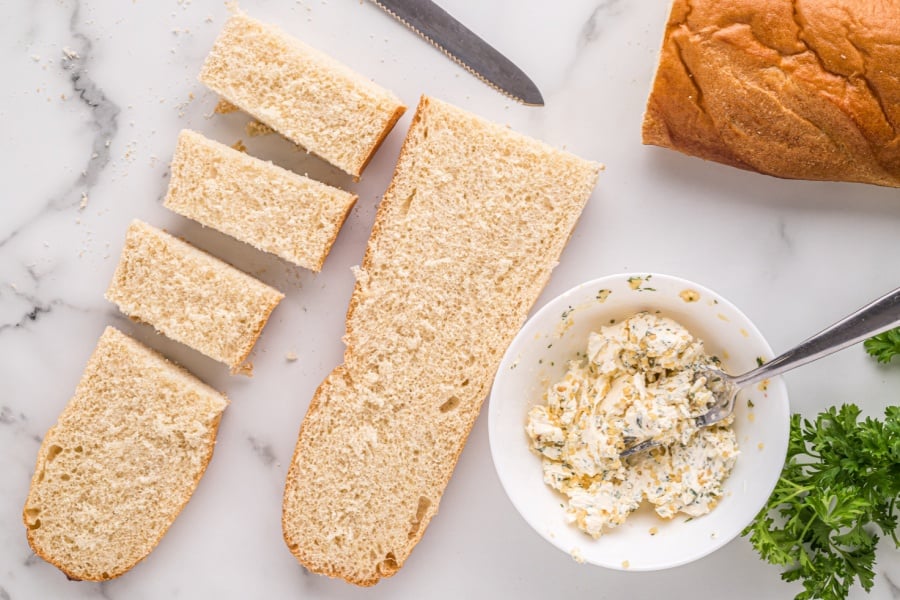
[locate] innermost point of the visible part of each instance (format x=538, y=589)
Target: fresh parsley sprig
x=839, y=487
x=884, y=346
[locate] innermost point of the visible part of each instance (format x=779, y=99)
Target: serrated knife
x=471, y=52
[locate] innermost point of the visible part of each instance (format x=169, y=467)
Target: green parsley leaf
x=884, y=346
x=838, y=490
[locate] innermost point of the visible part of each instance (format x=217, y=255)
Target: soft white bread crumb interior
x=464, y=240
x=123, y=459
x=270, y=208
x=300, y=92
x=190, y=296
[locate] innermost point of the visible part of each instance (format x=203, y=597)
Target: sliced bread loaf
x=464, y=240
x=123, y=459
x=190, y=296
x=270, y=208
x=305, y=95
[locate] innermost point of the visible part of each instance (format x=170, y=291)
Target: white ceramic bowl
x=538, y=357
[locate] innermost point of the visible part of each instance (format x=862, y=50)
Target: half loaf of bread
x=270, y=208
x=465, y=238
x=190, y=296
x=123, y=459
x=303, y=94
x=802, y=90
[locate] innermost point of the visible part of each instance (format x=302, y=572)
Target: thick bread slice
x=464, y=240
x=305, y=95
x=270, y=208
x=802, y=90
x=121, y=462
x=190, y=296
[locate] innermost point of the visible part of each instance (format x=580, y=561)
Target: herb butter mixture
x=637, y=381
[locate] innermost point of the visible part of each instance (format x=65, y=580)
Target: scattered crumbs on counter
x=625, y=564
x=70, y=54
x=36, y=57
x=653, y=531
x=84, y=201
x=291, y=356
x=577, y=556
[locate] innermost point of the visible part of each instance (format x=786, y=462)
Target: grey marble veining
x=103, y=122
x=101, y=89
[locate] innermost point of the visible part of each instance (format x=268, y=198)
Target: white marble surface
x=94, y=94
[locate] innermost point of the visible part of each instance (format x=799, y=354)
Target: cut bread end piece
x=191, y=296
x=305, y=95
x=123, y=459
x=270, y=208
x=465, y=238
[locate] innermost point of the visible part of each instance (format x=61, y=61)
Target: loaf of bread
x=801, y=90
x=123, y=459
x=270, y=208
x=465, y=238
x=303, y=94
x=190, y=296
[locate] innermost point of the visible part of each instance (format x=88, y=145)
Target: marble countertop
x=96, y=92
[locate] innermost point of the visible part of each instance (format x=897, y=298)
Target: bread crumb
x=577, y=556
x=625, y=564
x=84, y=201
x=654, y=531
x=255, y=128
x=239, y=146
x=70, y=54
x=760, y=445
x=291, y=356
x=224, y=107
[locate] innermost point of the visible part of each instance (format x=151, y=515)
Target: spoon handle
x=875, y=317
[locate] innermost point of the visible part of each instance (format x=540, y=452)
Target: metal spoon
x=874, y=318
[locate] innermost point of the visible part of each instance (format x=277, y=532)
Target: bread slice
x=305, y=95
x=797, y=90
x=270, y=208
x=124, y=457
x=464, y=240
x=190, y=296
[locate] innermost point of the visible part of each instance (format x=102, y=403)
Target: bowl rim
x=509, y=357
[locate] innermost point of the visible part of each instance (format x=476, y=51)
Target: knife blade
x=465, y=48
